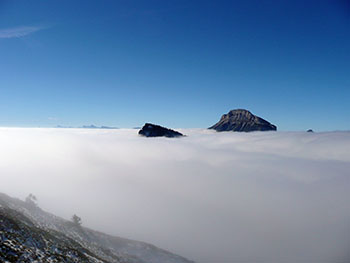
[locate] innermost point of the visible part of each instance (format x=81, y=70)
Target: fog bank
x=211, y=197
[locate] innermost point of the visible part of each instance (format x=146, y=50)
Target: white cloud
x=213, y=197
x=17, y=32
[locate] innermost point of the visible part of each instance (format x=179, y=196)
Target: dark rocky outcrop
x=152, y=130
x=242, y=121
x=310, y=130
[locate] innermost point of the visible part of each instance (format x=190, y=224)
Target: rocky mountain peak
x=243, y=121
x=153, y=130
x=239, y=114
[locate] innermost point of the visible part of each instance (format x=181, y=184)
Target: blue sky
x=176, y=63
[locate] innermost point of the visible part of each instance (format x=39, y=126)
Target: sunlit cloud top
x=211, y=197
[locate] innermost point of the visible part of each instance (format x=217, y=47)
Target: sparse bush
x=31, y=200
x=76, y=220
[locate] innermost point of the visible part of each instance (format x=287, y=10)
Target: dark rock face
x=152, y=130
x=310, y=130
x=242, y=121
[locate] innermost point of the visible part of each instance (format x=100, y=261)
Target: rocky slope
x=22, y=241
x=152, y=130
x=29, y=234
x=242, y=121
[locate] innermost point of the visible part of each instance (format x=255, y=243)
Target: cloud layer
x=212, y=197
x=17, y=32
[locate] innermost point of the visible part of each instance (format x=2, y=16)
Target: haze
x=211, y=197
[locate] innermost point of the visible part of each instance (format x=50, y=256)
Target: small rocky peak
x=153, y=130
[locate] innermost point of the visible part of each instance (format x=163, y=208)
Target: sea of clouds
x=212, y=197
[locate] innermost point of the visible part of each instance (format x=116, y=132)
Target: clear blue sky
x=176, y=63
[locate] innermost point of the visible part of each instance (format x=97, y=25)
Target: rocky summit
x=242, y=121
x=152, y=130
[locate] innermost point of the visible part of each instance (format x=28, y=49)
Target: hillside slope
x=29, y=233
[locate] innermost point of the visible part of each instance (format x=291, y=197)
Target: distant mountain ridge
x=97, y=127
x=91, y=126
x=241, y=120
x=29, y=234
